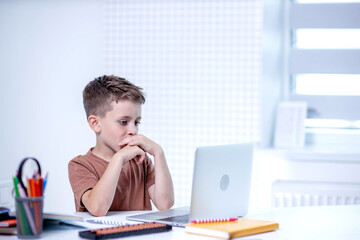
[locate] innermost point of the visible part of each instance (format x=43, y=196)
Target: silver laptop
x=220, y=187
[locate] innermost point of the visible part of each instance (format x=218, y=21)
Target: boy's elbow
x=166, y=205
x=97, y=211
x=169, y=205
x=93, y=206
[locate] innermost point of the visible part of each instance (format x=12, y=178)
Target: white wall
x=272, y=67
x=49, y=50
x=200, y=64
x=198, y=61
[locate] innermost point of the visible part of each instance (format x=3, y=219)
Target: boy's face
x=122, y=121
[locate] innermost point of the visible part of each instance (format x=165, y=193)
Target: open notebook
x=90, y=223
x=79, y=221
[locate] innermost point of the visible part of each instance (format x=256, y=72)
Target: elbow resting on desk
x=165, y=207
x=164, y=204
x=95, y=206
x=163, y=198
x=97, y=211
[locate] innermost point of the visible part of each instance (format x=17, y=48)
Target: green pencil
x=24, y=226
x=16, y=181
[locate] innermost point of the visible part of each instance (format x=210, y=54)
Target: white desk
x=325, y=222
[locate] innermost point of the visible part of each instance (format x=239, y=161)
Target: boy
x=117, y=174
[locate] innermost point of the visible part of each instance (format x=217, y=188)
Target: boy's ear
x=94, y=123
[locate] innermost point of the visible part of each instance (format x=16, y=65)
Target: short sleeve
x=150, y=173
x=82, y=178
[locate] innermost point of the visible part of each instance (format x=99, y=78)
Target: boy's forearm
x=100, y=198
x=163, y=189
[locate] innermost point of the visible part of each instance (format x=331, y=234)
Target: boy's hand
x=162, y=192
x=130, y=152
x=142, y=142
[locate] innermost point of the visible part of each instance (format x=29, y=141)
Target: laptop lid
x=221, y=181
x=220, y=187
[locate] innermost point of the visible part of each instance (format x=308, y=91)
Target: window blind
x=324, y=76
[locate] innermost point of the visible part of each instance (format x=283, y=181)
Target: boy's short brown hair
x=99, y=93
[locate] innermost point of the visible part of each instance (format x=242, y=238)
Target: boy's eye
x=123, y=122
x=137, y=123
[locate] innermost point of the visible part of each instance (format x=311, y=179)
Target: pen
x=214, y=220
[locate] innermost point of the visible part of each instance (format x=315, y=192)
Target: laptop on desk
x=220, y=187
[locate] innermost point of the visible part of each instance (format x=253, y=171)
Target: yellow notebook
x=227, y=230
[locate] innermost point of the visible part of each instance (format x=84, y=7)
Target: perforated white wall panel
x=199, y=63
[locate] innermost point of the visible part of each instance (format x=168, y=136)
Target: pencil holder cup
x=29, y=216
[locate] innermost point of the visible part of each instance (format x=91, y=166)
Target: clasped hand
x=135, y=147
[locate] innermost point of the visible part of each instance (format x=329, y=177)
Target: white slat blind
x=329, y=61
x=324, y=15
x=335, y=65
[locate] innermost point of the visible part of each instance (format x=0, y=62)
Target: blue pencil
x=44, y=182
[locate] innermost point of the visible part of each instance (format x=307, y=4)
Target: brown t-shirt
x=132, y=188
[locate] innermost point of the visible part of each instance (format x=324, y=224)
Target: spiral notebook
x=74, y=220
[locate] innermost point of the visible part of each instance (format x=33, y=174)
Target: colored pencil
x=214, y=220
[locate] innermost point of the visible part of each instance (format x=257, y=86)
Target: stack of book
x=7, y=222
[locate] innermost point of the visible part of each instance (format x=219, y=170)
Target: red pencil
x=41, y=183
x=214, y=220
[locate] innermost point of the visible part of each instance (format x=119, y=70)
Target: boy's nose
x=132, y=130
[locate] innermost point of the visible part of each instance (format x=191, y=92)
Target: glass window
x=327, y=84
x=324, y=53
x=327, y=39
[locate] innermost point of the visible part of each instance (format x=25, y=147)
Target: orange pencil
x=28, y=187
x=32, y=187
x=34, y=193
